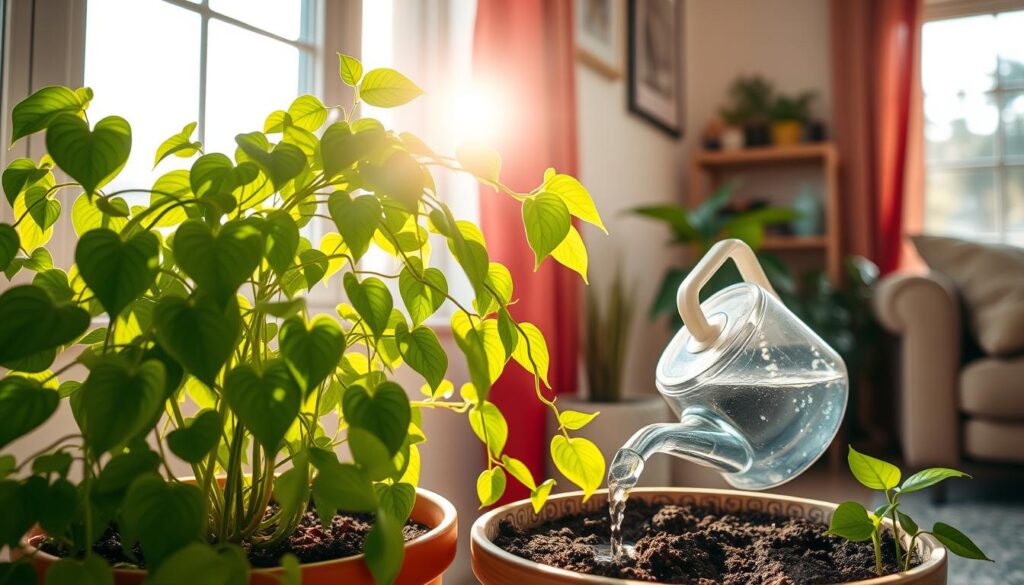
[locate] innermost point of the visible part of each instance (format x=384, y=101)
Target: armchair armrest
x=924, y=311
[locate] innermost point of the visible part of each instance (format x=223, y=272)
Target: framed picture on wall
x=655, y=62
x=600, y=31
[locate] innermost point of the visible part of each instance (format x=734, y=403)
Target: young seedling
x=854, y=522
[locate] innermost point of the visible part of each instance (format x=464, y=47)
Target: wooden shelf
x=794, y=242
x=813, y=152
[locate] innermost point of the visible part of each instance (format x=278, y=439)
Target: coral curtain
x=876, y=84
x=524, y=50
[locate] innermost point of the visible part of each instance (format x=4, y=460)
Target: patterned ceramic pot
x=426, y=557
x=494, y=566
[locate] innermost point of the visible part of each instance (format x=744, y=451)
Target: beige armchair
x=953, y=410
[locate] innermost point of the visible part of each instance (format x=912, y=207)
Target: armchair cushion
x=990, y=279
x=988, y=440
x=993, y=388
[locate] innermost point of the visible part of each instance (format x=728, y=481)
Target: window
x=973, y=79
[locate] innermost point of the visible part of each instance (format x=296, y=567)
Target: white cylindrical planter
x=609, y=431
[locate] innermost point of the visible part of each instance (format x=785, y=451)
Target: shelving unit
x=709, y=167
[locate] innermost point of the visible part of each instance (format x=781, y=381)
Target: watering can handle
x=688, y=297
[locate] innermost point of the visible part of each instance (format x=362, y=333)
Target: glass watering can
x=759, y=395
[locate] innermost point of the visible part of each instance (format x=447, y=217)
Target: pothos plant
x=854, y=522
x=198, y=293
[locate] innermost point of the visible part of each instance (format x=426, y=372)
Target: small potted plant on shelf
x=790, y=116
x=751, y=101
x=181, y=334
x=605, y=348
x=732, y=137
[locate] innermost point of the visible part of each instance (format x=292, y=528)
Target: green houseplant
x=789, y=116
x=201, y=292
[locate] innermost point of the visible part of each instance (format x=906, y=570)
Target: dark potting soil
x=684, y=544
x=310, y=542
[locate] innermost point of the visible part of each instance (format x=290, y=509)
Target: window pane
x=147, y=74
x=1013, y=122
x=1011, y=47
x=961, y=202
x=1015, y=200
x=281, y=17
x=960, y=127
x=248, y=76
x=959, y=55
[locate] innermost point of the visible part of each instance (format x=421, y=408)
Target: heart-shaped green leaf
x=387, y=88
x=120, y=401
x=400, y=178
x=9, y=243
x=489, y=426
x=341, y=147
x=282, y=238
x=281, y=164
x=421, y=349
x=32, y=323
x=312, y=352
x=198, y=332
x=396, y=499
x=350, y=68
x=371, y=299
x=179, y=145
x=38, y=110
x=386, y=414
x=214, y=174
x=43, y=210
x=117, y=271
x=218, y=263
x=850, y=521
x=307, y=112
x=18, y=175
x=490, y=486
x=580, y=461
x=547, y=223
x=370, y=454
x=91, y=158
x=86, y=214
x=873, y=473
x=266, y=404
x=357, y=220
x=24, y=405
x=342, y=486
x=384, y=548
x=117, y=476
x=195, y=441
x=162, y=516
x=422, y=296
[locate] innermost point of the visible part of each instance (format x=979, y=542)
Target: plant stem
x=877, y=541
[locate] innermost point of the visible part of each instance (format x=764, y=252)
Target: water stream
x=623, y=475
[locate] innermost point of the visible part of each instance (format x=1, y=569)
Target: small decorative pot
x=787, y=133
x=732, y=138
x=494, y=566
x=426, y=557
x=615, y=425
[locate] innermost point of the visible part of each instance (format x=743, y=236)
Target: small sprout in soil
x=854, y=522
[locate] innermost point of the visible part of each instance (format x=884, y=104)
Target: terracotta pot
x=426, y=557
x=615, y=425
x=787, y=133
x=494, y=566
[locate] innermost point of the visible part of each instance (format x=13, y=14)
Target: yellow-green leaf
x=576, y=197
x=490, y=486
x=484, y=163
x=547, y=222
x=873, y=473
x=179, y=145
x=387, y=88
x=519, y=470
x=580, y=461
x=489, y=426
x=350, y=68
x=575, y=420
x=572, y=253
x=532, y=350
x=308, y=112
x=539, y=496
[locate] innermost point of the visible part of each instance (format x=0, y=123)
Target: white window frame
x=1000, y=163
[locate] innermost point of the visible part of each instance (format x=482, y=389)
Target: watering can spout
x=697, y=437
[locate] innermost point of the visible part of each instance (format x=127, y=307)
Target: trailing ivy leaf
x=873, y=473
x=371, y=455
x=957, y=542
x=311, y=352
x=9, y=243
x=201, y=564
x=120, y=401
x=307, y=112
x=31, y=234
x=580, y=461
x=59, y=463
x=86, y=214
x=33, y=323
x=547, y=223
x=532, y=349
x=180, y=145
x=198, y=333
x=372, y=300
x=43, y=210
x=24, y=405
x=519, y=470
x=92, y=570
x=117, y=271
x=281, y=164
x=471, y=341
x=19, y=174
x=350, y=69
x=357, y=220
x=539, y=496
x=38, y=110
x=572, y=253
x=387, y=88
x=484, y=163
x=421, y=349
x=117, y=476
x=218, y=263
x=489, y=426
x=400, y=178
x=163, y=517
x=850, y=521
x=342, y=486
x=386, y=413
x=341, y=147
x=574, y=420
x=267, y=404
x=396, y=499
x=214, y=174
x=929, y=477
x=314, y=267
x=575, y=196
x=94, y=157
x=282, y=240
x=490, y=486
x=193, y=442
x=384, y=548
x=422, y=299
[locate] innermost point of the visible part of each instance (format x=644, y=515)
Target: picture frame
x=656, y=84
x=599, y=30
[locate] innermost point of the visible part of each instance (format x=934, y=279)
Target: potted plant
x=186, y=312
x=789, y=117
x=751, y=101
x=605, y=346
x=686, y=535
x=732, y=137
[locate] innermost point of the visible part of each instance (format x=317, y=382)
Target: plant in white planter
x=197, y=293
